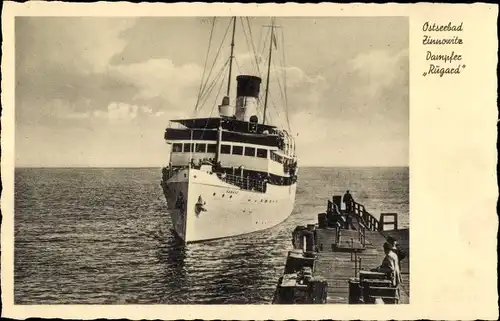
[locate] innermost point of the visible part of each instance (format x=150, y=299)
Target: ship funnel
x=247, y=95
x=248, y=86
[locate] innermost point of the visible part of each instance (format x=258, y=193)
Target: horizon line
x=309, y=166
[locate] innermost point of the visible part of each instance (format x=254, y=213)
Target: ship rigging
x=269, y=55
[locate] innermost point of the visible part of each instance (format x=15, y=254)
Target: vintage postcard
x=275, y=161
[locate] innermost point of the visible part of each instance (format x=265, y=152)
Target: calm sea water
x=103, y=236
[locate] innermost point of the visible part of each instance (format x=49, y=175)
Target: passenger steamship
x=233, y=174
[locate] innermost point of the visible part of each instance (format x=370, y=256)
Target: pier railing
x=370, y=221
x=359, y=211
x=333, y=208
x=362, y=237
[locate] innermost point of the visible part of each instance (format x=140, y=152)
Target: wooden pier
x=329, y=257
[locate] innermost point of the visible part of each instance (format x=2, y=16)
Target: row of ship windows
x=224, y=149
x=250, y=200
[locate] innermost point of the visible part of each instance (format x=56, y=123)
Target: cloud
x=358, y=107
x=146, y=110
x=78, y=116
x=63, y=71
x=323, y=141
x=292, y=90
x=62, y=62
x=82, y=43
x=379, y=68
x=159, y=78
x=103, y=76
x=53, y=109
x=119, y=112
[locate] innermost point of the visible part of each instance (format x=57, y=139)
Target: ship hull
x=203, y=207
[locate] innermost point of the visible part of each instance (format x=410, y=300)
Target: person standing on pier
x=401, y=254
x=390, y=265
x=347, y=199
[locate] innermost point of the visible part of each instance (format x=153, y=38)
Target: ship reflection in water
x=231, y=270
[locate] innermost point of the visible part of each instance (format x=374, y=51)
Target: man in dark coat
x=348, y=201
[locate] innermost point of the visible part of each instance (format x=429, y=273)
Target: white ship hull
x=227, y=210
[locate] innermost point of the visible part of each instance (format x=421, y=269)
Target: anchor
x=200, y=206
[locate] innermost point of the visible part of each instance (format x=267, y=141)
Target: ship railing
x=166, y=173
x=244, y=182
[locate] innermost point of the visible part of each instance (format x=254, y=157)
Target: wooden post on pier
x=355, y=264
x=337, y=200
x=384, y=222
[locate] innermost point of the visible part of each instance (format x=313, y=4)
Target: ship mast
x=271, y=40
x=219, y=129
x=231, y=58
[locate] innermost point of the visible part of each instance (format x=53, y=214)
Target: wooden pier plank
x=337, y=267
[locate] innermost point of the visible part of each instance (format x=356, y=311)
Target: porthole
x=230, y=196
x=223, y=195
x=214, y=194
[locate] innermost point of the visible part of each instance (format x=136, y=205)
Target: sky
x=101, y=91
